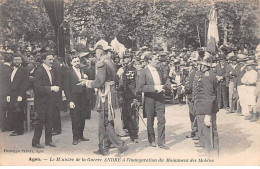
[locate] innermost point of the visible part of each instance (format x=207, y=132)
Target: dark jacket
x=221, y=72
x=127, y=84
x=231, y=74
x=207, y=102
x=189, y=83
x=71, y=88
x=19, y=85
x=146, y=85
x=5, y=81
x=44, y=98
x=106, y=72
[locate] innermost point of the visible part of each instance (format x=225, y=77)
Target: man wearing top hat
x=127, y=95
x=105, y=81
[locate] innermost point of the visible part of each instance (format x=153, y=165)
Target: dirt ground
x=239, y=144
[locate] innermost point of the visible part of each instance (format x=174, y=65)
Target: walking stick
x=211, y=135
x=136, y=107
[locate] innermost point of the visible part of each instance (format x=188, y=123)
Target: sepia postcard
x=129, y=83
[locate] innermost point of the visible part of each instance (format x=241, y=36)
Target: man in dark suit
x=76, y=96
x=5, y=81
x=17, y=95
x=222, y=90
x=152, y=82
x=188, y=91
x=46, y=99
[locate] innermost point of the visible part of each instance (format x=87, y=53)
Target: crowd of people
x=101, y=80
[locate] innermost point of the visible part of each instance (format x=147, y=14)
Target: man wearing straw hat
x=105, y=80
x=247, y=99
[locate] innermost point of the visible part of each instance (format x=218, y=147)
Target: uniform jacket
x=128, y=82
x=207, y=103
x=105, y=72
x=44, y=98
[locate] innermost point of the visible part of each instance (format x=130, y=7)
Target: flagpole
x=205, y=33
x=198, y=34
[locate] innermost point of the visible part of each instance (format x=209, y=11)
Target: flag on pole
x=55, y=10
x=213, y=36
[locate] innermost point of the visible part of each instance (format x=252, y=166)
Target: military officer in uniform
x=105, y=81
x=207, y=108
x=127, y=95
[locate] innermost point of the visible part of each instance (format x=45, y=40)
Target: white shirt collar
x=46, y=67
x=76, y=69
x=16, y=67
x=151, y=67
x=8, y=64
